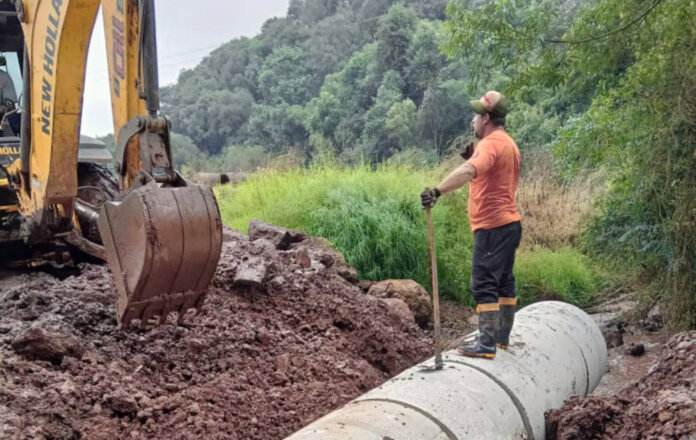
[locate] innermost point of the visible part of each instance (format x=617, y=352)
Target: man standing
x=494, y=171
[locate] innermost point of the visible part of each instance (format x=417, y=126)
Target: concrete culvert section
x=210, y=179
x=557, y=352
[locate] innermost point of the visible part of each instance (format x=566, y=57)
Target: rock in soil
x=636, y=350
x=323, y=256
x=398, y=309
x=248, y=367
x=661, y=405
x=251, y=274
x=280, y=237
x=47, y=345
x=409, y=291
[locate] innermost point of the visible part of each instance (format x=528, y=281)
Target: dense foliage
x=619, y=76
x=364, y=79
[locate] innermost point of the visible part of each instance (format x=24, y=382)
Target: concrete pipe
x=557, y=352
x=210, y=179
x=235, y=177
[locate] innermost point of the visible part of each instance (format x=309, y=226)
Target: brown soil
x=625, y=369
x=253, y=365
x=456, y=323
x=660, y=405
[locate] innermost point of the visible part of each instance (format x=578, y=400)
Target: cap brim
x=478, y=107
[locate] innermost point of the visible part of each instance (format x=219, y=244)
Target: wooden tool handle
x=436, y=299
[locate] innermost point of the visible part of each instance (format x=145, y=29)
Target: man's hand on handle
x=429, y=197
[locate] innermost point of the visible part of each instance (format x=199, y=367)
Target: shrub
x=555, y=213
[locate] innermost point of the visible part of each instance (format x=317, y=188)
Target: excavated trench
x=658, y=405
x=285, y=337
x=259, y=362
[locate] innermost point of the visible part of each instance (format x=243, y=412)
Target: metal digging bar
x=436, y=300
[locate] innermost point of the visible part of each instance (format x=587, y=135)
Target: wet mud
x=260, y=361
x=659, y=405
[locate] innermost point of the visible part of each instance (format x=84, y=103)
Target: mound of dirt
x=662, y=405
x=273, y=349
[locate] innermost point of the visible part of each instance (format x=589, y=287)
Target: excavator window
x=10, y=76
x=11, y=53
x=9, y=115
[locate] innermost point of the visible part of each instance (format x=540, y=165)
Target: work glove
x=468, y=151
x=429, y=197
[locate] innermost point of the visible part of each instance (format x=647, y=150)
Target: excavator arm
x=162, y=236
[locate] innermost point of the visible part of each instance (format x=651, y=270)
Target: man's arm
x=457, y=178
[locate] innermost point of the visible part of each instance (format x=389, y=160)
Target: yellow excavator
x=160, y=235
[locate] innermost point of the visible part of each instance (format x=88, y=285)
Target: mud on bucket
x=162, y=246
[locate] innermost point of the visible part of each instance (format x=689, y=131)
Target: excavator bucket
x=162, y=246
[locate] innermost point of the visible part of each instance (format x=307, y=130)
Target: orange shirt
x=492, y=191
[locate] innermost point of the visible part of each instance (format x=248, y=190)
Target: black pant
x=494, y=257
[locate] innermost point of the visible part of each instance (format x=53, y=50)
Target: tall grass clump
x=555, y=212
x=564, y=275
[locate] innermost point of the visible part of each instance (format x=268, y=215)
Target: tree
x=186, y=153
x=327, y=110
x=375, y=139
x=360, y=75
x=431, y=9
x=332, y=42
x=213, y=117
x=229, y=62
x=338, y=114
x=620, y=71
x=286, y=77
x=276, y=127
x=369, y=13
x=401, y=124
x=424, y=60
x=394, y=37
x=444, y=114
x=243, y=158
x=308, y=12
x=278, y=32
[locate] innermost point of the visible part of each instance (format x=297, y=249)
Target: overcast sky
x=186, y=32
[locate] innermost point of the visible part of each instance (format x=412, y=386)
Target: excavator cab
x=160, y=235
x=11, y=53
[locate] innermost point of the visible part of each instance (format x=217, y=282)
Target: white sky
x=186, y=32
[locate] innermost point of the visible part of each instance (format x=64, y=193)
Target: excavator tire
x=96, y=185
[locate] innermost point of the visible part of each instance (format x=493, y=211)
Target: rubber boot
x=507, y=319
x=484, y=347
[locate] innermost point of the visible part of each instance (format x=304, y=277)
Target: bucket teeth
x=162, y=246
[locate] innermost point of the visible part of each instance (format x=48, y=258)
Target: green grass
x=565, y=275
x=373, y=217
